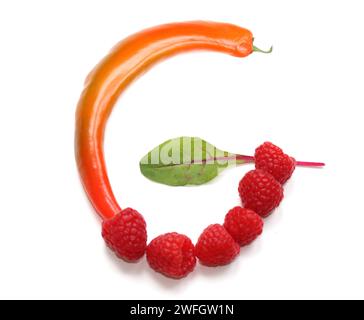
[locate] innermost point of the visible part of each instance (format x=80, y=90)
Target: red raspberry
x=172, y=254
x=126, y=235
x=271, y=159
x=260, y=192
x=216, y=247
x=244, y=225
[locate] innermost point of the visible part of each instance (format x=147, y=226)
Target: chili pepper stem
x=250, y=159
x=256, y=49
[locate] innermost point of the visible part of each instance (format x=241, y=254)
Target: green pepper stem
x=255, y=49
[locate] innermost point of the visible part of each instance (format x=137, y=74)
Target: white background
x=306, y=97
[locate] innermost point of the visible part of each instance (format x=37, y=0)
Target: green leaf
x=186, y=161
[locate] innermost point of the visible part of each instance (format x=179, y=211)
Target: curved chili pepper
x=129, y=59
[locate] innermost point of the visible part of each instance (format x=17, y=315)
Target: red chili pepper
x=129, y=59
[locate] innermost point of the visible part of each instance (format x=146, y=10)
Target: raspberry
x=216, y=247
x=126, y=235
x=172, y=254
x=244, y=225
x=271, y=159
x=260, y=192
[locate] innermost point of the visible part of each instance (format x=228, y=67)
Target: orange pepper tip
x=245, y=47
